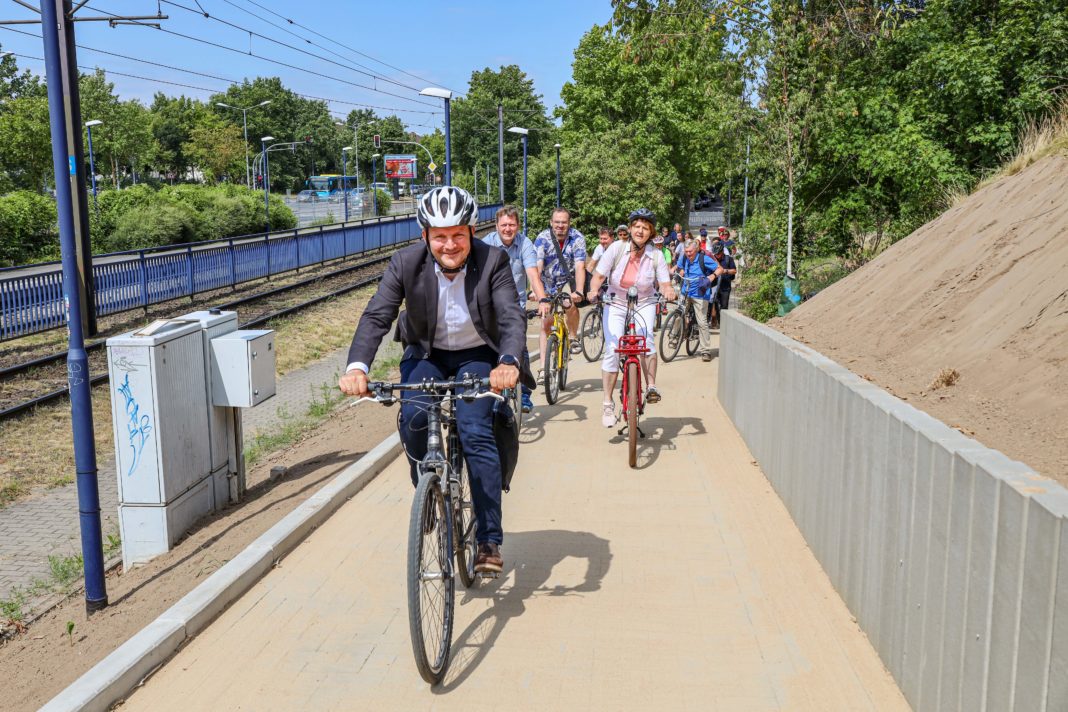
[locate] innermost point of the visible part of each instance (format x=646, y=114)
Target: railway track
x=42, y=380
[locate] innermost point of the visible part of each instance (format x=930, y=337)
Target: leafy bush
x=154, y=225
x=27, y=227
x=384, y=201
x=141, y=216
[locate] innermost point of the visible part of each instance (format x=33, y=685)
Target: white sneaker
x=608, y=415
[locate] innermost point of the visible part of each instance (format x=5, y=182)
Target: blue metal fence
x=32, y=299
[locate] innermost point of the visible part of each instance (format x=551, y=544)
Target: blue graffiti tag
x=139, y=426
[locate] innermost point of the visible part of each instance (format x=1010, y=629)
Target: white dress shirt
x=455, y=331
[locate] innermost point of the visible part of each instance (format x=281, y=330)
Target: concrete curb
x=120, y=672
x=952, y=557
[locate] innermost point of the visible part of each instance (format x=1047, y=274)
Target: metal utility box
x=158, y=402
x=242, y=368
x=224, y=424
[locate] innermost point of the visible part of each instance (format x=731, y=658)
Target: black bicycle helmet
x=643, y=214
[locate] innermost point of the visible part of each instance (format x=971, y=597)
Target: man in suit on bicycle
x=461, y=317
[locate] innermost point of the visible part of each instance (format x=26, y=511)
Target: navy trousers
x=475, y=426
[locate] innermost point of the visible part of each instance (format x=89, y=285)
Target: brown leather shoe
x=489, y=558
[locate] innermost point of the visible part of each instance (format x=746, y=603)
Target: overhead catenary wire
x=339, y=44
x=205, y=75
x=280, y=63
x=280, y=43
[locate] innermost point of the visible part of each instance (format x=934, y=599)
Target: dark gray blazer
x=410, y=278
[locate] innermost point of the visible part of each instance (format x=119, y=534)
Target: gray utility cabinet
x=242, y=368
x=178, y=450
x=159, y=405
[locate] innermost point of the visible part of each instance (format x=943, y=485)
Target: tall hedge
x=27, y=228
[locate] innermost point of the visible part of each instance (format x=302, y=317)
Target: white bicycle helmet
x=447, y=206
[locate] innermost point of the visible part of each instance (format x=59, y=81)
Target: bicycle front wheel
x=431, y=587
x=671, y=337
x=464, y=534
x=693, y=335
x=632, y=412
x=592, y=335
x=551, y=379
x=565, y=359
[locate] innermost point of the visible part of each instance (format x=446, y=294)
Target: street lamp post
x=345, y=178
x=558, y=175
x=266, y=184
x=374, y=179
x=447, y=96
x=92, y=165
x=523, y=134
x=244, y=122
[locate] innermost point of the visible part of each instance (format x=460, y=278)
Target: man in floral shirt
x=570, y=275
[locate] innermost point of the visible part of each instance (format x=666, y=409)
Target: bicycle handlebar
x=385, y=392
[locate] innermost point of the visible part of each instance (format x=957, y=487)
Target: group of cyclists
x=470, y=327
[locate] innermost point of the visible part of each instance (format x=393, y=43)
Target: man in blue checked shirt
x=570, y=275
x=523, y=260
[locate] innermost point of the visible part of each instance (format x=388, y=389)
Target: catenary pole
x=72, y=114
x=65, y=163
x=500, y=151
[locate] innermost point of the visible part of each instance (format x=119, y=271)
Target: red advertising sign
x=402, y=167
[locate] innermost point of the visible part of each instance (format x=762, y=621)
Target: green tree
x=474, y=123
x=26, y=151
x=27, y=227
x=218, y=149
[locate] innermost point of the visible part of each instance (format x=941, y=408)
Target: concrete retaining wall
x=952, y=557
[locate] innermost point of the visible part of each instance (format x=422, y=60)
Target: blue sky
x=439, y=42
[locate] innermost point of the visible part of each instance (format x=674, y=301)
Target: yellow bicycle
x=557, y=348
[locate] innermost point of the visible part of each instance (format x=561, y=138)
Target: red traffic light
x=378, y=141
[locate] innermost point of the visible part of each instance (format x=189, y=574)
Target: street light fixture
x=374, y=180
x=447, y=96
x=345, y=178
x=523, y=134
x=266, y=184
x=92, y=165
x=244, y=122
x=557, y=175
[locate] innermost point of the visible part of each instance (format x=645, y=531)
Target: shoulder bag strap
x=560, y=256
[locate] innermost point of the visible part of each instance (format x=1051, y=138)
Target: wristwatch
x=508, y=360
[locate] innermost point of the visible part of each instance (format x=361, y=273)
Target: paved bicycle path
x=680, y=585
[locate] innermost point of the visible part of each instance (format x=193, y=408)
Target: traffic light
x=378, y=141
x=307, y=139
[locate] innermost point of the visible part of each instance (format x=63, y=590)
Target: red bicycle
x=632, y=385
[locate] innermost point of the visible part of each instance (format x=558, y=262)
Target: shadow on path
x=532, y=556
x=660, y=435
x=243, y=510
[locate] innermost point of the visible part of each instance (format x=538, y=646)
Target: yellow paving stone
x=679, y=585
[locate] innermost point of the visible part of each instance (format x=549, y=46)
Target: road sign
x=433, y=166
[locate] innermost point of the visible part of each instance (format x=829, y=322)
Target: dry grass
x=1038, y=139
x=945, y=378
x=36, y=450
x=318, y=331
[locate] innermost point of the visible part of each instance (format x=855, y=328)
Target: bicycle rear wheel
x=632, y=412
x=671, y=337
x=431, y=587
x=551, y=380
x=592, y=335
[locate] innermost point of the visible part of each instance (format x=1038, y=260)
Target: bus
x=326, y=186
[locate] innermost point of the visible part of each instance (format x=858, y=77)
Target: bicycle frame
x=629, y=348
